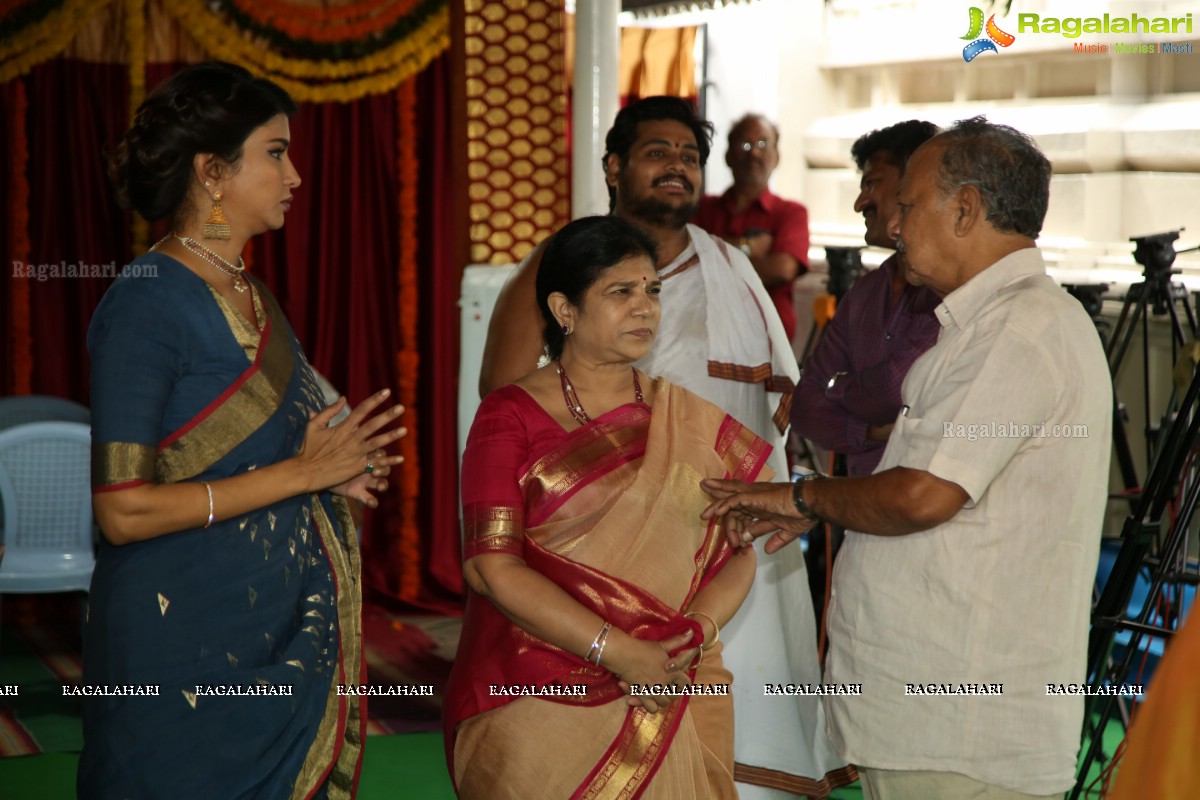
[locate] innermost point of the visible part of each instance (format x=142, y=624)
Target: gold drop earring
x=216, y=226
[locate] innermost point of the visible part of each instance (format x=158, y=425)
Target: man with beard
x=771, y=231
x=849, y=394
x=719, y=337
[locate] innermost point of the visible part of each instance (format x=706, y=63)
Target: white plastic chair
x=22, y=409
x=45, y=487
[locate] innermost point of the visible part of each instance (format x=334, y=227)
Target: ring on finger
x=369, y=468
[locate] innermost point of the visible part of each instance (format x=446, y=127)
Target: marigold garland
x=19, y=329
x=332, y=80
x=359, y=36
x=226, y=41
x=16, y=15
x=408, y=359
x=44, y=40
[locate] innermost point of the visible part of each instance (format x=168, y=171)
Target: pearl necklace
x=233, y=271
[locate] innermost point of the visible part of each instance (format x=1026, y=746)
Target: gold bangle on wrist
x=716, y=628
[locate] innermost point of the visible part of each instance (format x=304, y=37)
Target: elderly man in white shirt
x=963, y=589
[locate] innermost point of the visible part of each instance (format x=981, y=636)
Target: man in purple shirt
x=849, y=391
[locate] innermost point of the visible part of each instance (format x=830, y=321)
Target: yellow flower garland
x=375, y=74
x=353, y=90
x=46, y=39
x=229, y=43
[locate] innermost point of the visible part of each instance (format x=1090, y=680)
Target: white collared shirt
x=1014, y=405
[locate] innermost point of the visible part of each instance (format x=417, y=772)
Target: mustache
x=686, y=183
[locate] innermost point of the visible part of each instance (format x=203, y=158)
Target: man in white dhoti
x=720, y=337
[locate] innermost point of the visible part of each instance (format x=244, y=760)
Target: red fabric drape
x=75, y=112
x=331, y=265
x=333, y=268
x=442, y=278
x=15, y=358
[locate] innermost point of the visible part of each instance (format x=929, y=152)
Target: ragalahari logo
x=995, y=36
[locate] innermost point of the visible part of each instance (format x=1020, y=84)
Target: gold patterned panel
x=519, y=188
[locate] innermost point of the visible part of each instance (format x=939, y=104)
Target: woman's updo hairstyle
x=206, y=108
x=577, y=256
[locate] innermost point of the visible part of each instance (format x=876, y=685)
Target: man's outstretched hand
x=752, y=510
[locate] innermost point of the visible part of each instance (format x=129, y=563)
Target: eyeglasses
x=746, y=147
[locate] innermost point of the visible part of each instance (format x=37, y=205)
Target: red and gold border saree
x=611, y=513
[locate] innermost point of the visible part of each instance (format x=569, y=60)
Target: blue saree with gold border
x=246, y=628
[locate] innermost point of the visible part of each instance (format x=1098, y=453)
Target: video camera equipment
x=1150, y=545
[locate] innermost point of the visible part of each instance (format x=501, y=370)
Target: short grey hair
x=1005, y=165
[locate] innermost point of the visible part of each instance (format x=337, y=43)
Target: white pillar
x=597, y=49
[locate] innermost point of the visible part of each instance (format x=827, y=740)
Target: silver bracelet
x=603, y=642
x=208, y=524
x=598, y=643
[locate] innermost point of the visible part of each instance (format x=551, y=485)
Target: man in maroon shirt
x=849, y=391
x=771, y=231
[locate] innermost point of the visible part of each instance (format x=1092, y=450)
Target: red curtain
x=440, y=252
x=74, y=112
x=334, y=268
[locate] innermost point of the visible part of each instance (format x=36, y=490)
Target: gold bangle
x=716, y=628
x=208, y=524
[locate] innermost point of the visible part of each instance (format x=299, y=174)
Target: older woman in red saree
x=591, y=573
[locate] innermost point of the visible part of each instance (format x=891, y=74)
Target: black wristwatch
x=798, y=497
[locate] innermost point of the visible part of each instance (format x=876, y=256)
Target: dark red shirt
x=786, y=221
x=873, y=340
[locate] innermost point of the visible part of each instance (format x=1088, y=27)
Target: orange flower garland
x=226, y=41
x=408, y=359
x=283, y=17
x=46, y=39
x=19, y=331
x=316, y=81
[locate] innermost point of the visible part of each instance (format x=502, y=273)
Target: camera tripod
x=1159, y=295
x=1173, y=483
x=1174, y=477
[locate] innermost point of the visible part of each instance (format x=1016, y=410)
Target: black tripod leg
x=1125, y=463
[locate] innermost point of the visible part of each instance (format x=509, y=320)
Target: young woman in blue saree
x=227, y=577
